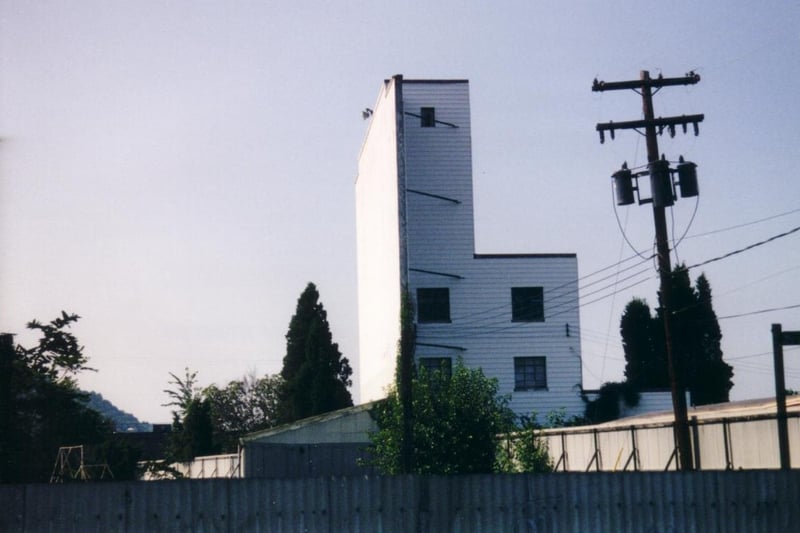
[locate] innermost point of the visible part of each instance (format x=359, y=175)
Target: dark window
x=437, y=364
x=527, y=304
x=433, y=305
x=530, y=373
x=427, y=117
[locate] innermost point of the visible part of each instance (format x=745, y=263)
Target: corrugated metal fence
x=718, y=444
x=721, y=501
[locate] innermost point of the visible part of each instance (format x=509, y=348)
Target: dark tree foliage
x=645, y=364
x=41, y=408
x=697, y=345
x=121, y=457
x=404, y=377
x=243, y=406
x=696, y=338
x=456, y=422
x=525, y=450
x=192, y=436
x=58, y=354
x=606, y=406
x=315, y=374
x=192, y=432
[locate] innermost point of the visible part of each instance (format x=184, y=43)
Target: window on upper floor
x=437, y=364
x=427, y=117
x=527, y=304
x=530, y=373
x=433, y=305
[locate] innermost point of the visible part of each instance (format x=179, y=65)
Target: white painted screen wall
x=436, y=168
x=378, y=240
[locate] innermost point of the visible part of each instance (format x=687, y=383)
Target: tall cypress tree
x=696, y=338
x=710, y=377
x=315, y=374
x=645, y=366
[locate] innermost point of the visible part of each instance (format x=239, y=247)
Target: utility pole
x=662, y=189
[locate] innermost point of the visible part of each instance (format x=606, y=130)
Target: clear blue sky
x=176, y=172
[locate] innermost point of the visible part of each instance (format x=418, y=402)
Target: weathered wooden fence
x=714, y=501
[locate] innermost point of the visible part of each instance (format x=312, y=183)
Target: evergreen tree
x=707, y=375
x=696, y=338
x=315, y=374
x=645, y=365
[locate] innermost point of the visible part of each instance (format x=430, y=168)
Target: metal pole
x=780, y=396
x=665, y=273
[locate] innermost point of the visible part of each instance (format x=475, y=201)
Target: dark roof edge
x=436, y=81
x=523, y=256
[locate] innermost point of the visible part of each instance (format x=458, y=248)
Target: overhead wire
x=746, y=248
x=743, y=225
x=498, y=322
x=613, y=303
x=676, y=243
x=549, y=296
x=621, y=229
x=760, y=354
x=452, y=331
x=760, y=312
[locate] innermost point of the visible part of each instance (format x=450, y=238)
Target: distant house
x=513, y=315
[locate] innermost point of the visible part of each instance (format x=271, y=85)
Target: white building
x=515, y=316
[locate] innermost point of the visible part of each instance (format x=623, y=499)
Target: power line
x=473, y=330
x=760, y=354
x=760, y=311
x=496, y=322
x=550, y=294
x=745, y=224
x=746, y=248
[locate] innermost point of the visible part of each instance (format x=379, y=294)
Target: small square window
x=437, y=364
x=527, y=304
x=433, y=305
x=427, y=117
x=530, y=373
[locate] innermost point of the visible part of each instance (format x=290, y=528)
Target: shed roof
x=318, y=422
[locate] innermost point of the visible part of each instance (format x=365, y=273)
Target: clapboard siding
x=440, y=239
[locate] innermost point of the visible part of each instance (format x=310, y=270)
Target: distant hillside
x=123, y=421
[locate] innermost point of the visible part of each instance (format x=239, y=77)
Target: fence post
x=696, y=443
x=596, y=456
x=728, y=449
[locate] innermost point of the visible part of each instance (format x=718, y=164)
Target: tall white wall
x=441, y=240
x=378, y=241
x=414, y=201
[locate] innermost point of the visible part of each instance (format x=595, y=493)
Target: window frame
x=437, y=364
x=534, y=367
x=439, y=298
x=427, y=117
x=519, y=301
